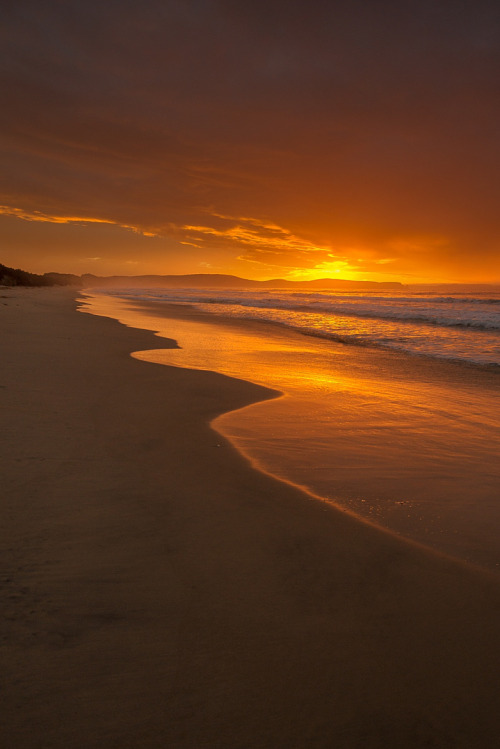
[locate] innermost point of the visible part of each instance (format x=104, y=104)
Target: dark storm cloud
x=350, y=124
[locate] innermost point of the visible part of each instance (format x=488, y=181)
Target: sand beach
x=159, y=591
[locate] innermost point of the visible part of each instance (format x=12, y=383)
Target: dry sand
x=157, y=591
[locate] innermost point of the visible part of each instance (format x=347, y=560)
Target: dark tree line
x=18, y=277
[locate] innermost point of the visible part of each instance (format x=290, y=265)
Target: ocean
x=461, y=326
x=389, y=405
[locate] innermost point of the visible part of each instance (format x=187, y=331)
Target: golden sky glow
x=293, y=140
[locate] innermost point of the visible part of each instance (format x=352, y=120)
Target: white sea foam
x=463, y=327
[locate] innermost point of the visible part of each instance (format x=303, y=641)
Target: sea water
x=400, y=429
x=463, y=326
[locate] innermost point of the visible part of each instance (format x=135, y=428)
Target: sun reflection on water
x=408, y=444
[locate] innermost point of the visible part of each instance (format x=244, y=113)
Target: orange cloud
x=263, y=242
x=6, y=210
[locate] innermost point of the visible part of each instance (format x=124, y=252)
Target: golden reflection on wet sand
x=410, y=444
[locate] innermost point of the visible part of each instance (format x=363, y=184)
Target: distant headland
x=17, y=277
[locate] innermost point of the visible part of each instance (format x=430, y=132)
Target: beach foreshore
x=158, y=591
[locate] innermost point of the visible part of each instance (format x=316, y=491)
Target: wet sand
x=158, y=591
x=408, y=443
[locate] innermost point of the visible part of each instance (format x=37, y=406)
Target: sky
x=298, y=139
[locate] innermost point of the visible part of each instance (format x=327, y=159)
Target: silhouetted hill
x=18, y=277
x=63, y=279
x=221, y=281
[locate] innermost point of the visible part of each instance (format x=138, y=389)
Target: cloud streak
x=6, y=210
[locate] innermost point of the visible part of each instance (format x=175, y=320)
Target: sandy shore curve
x=157, y=591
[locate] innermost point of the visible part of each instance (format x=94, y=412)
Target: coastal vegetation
x=18, y=277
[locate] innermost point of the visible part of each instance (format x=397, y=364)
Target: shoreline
x=187, y=310
x=371, y=432
x=472, y=343
x=161, y=592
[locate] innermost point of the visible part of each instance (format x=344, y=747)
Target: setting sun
x=263, y=150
